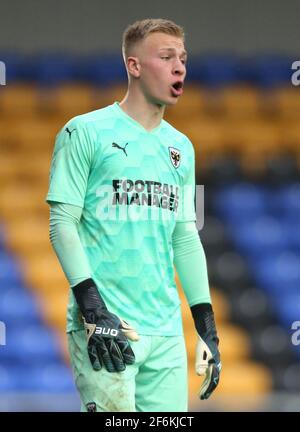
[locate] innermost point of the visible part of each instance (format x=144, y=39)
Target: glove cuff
x=204, y=320
x=88, y=298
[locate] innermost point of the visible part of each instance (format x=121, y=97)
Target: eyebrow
x=184, y=53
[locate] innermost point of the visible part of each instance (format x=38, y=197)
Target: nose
x=179, y=67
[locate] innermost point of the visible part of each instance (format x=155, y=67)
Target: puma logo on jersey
x=106, y=331
x=70, y=132
x=119, y=147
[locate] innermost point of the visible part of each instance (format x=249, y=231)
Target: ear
x=133, y=66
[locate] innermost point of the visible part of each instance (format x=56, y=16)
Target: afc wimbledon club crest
x=174, y=156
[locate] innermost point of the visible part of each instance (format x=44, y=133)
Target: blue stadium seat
x=278, y=273
x=103, y=70
x=10, y=271
x=241, y=202
x=269, y=71
x=260, y=236
x=15, y=285
x=30, y=345
x=53, y=69
x=8, y=379
x=290, y=200
x=215, y=70
x=18, y=307
x=292, y=228
x=52, y=377
x=15, y=66
x=288, y=308
x=284, y=201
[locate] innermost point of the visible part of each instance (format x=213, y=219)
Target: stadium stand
x=245, y=130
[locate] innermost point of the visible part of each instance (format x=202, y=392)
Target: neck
x=148, y=114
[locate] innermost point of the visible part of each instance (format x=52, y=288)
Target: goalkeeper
x=122, y=214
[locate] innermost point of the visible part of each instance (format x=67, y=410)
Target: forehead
x=158, y=41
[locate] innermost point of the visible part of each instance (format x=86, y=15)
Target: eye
x=166, y=57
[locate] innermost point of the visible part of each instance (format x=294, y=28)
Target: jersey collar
x=135, y=123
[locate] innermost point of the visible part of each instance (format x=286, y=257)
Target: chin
x=169, y=102
x=172, y=102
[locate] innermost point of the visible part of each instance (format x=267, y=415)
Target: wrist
x=203, y=316
x=88, y=297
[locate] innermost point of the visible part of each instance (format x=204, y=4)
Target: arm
x=106, y=333
x=190, y=263
x=64, y=237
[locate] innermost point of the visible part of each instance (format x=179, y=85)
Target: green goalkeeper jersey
x=133, y=186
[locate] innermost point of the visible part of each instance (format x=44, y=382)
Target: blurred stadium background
x=242, y=114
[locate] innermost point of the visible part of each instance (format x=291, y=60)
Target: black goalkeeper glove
x=208, y=361
x=107, y=334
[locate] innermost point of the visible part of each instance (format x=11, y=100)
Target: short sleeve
x=70, y=166
x=187, y=211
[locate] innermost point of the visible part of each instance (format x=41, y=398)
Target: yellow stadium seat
x=240, y=102
x=24, y=169
x=44, y=273
x=207, y=137
x=19, y=100
x=9, y=169
x=286, y=101
x=242, y=386
x=103, y=96
x=241, y=378
x=253, y=136
x=36, y=134
x=34, y=170
x=213, y=103
x=190, y=105
x=8, y=138
x=18, y=200
x=234, y=343
x=29, y=236
x=69, y=99
x=245, y=378
x=33, y=136
x=221, y=306
x=54, y=308
x=290, y=136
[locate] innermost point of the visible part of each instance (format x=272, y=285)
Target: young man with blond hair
x=122, y=214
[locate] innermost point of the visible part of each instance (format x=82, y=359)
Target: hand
x=209, y=365
x=108, y=341
x=107, y=334
x=208, y=361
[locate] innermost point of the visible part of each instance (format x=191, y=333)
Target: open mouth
x=177, y=88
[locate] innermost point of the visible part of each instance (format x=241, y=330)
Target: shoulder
x=92, y=121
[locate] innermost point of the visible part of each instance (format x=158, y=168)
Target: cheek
x=157, y=70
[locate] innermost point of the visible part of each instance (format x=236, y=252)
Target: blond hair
x=139, y=30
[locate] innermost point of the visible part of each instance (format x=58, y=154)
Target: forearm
x=66, y=242
x=190, y=263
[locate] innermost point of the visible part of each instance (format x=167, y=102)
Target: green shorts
x=156, y=382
